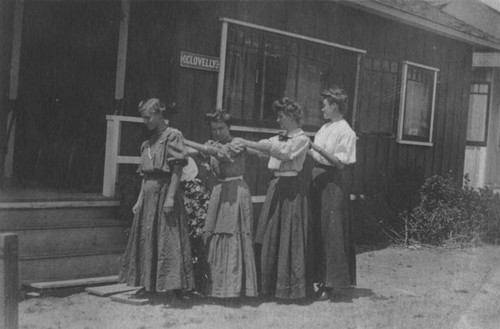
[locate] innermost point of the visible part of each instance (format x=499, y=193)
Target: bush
x=449, y=213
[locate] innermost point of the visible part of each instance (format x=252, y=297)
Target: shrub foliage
x=449, y=213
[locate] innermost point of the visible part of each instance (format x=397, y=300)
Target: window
x=416, y=112
x=477, y=124
x=380, y=92
x=261, y=65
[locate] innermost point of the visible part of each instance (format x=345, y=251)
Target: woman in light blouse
x=334, y=147
x=283, y=222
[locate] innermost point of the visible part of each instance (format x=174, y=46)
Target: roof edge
x=393, y=13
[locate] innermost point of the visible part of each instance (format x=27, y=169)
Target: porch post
x=121, y=62
x=14, y=84
x=9, y=281
x=8, y=118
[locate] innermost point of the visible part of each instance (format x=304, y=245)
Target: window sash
x=418, y=86
x=381, y=92
x=479, y=105
x=280, y=43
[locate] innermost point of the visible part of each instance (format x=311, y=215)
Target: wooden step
x=70, y=266
x=73, y=283
x=90, y=236
x=54, y=213
x=105, y=291
x=64, y=236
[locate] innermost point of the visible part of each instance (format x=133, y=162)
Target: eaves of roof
x=423, y=15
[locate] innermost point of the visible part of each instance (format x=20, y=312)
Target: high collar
x=294, y=133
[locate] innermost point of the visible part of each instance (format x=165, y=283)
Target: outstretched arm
x=205, y=149
x=257, y=153
x=258, y=146
x=332, y=159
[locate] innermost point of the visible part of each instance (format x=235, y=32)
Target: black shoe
x=181, y=295
x=324, y=293
x=140, y=294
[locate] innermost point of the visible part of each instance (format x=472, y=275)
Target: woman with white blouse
x=334, y=147
x=283, y=223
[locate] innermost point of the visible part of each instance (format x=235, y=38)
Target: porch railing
x=113, y=158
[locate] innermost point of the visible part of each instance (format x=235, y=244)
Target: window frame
x=390, y=133
x=402, y=104
x=222, y=68
x=484, y=142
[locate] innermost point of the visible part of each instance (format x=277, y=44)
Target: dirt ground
x=397, y=288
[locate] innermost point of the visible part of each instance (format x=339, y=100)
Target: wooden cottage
x=482, y=156
x=74, y=72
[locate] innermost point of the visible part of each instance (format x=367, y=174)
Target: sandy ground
x=397, y=288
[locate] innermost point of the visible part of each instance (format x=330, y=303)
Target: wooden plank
x=460, y=143
x=71, y=241
x=71, y=267
x=58, y=204
x=16, y=49
x=73, y=283
x=105, y=291
x=128, y=298
x=9, y=281
x=121, y=62
x=55, y=217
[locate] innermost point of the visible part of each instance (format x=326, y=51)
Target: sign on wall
x=198, y=61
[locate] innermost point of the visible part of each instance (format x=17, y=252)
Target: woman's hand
x=315, y=147
x=137, y=206
x=239, y=142
x=168, y=206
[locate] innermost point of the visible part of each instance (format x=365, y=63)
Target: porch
x=63, y=235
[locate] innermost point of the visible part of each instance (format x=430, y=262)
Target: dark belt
x=326, y=167
x=157, y=175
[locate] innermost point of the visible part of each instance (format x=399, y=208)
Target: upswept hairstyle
x=156, y=106
x=338, y=96
x=289, y=108
x=217, y=116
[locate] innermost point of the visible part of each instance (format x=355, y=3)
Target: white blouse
x=337, y=139
x=288, y=155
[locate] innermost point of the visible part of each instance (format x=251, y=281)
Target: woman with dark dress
x=283, y=223
x=229, y=255
x=158, y=253
x=334, y=147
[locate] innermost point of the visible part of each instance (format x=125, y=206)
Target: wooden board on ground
x=105, y=291
x=127, y=298
x=73, y=283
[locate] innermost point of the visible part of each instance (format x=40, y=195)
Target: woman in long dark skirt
x=334, y=147
x=158, y=254
x=283, y=223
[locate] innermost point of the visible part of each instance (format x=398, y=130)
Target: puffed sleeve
x=345, y=151
x=175, y=151
x=290, y=149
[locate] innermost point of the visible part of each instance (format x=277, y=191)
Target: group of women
x=302, y=231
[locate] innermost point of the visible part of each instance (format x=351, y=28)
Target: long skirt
x=282, y=231
x=335, y=257
x=158, y=254
x=230, y=261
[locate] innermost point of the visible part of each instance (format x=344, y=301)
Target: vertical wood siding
x=160, y=30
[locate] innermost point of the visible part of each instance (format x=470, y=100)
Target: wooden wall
x=84, y=73
x=160, y=30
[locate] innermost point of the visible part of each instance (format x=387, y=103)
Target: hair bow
x=283, y=137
